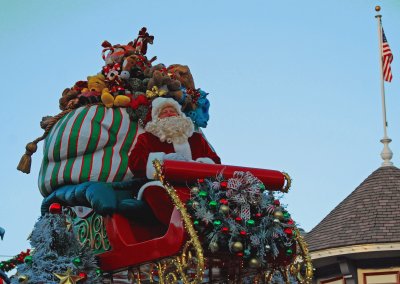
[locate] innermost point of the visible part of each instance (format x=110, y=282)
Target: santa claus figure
x=169, y=135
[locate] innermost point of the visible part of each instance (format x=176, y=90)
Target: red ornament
x=200, y=180
x=55, y=208
x=288, y=231
x=243, y=233
x=277, y=203
x=240, y=254
x=258, y=215
x=290, y=222
x=225, y=230
x=224, y=184
x=83, y=275
x=238, y=219
x=223, y=201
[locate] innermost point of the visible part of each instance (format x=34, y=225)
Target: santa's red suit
x=149, y=147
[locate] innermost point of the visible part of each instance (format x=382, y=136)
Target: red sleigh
x=171, y=245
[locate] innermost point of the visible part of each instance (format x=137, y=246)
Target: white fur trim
x=146, y=185
x=159, y=103
x=150, y=170
x=183, y=149
x=205, y=160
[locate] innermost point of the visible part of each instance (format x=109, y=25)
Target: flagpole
x=386, y=153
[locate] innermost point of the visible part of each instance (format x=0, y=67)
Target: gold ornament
x=224, y=209
x=194, y=190
x=254, y=263
x=377, y=8
x=67, y=277
x=278, y=215
x=155, y=92
x=23, y=279
x=237, y=246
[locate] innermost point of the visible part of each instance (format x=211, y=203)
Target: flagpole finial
x=377, y=8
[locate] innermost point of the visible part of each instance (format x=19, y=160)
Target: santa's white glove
x=175, y=156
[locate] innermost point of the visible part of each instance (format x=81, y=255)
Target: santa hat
x=159, y=103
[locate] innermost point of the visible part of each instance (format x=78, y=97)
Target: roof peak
x=367, y=215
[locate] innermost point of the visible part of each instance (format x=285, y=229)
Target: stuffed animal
x=114, y=88
x=141, y=42
x=115, y=53
x=161, y=80
x=69, y=99
x=199, y=114
x=96, y=83
x=91, y=94
x=134, y=66
x=109, y=100
x=182, y=74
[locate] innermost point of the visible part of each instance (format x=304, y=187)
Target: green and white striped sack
x=88, y=144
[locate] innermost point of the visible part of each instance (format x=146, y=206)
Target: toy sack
x=90, y=143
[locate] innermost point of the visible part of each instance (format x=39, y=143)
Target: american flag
x=387, y=58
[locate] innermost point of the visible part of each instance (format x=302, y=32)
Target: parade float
x=190, y=221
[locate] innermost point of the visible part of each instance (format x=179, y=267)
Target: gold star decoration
x=68, y=224
x=23, y=279
x=67, y=277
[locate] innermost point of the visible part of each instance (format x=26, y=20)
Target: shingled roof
x=370, y=214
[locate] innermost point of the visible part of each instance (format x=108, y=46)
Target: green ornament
x=286, y=215
x=1, y=266
x=196, y=222
x=247, y=253
x=289, y=252
x=217, y=223
x=189, y=203
x=28, y=259
x=99, y=272
x=213, y=204
x=261, y=187
x=77, y=261
x=203, y=193
x=251, y=222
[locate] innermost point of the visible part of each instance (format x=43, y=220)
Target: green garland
x=10, y=264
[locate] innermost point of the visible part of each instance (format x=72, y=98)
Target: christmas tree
x=57, y=257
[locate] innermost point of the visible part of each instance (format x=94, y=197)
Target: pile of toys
x=130, y=80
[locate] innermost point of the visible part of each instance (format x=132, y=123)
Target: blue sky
x=294, y=86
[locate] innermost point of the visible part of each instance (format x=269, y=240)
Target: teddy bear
x=188, y=93
x=160, y=80
x=182, y=74
x=93, y=91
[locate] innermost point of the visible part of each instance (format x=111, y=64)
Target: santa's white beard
x=175, y=129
